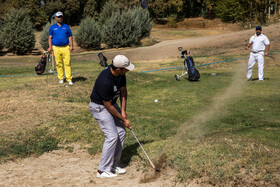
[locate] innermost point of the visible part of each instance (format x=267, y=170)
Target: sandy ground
x=61, y=168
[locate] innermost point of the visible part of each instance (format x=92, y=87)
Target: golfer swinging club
x=260, y=47
x=111, y=84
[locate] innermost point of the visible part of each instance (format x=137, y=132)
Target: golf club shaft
x=143, y=149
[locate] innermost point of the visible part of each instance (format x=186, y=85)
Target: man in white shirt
x=260, y=47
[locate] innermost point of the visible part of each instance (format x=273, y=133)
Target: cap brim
x=130, y=67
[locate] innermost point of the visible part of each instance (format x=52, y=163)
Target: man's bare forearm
x=123, y=98
x=50, y=43
x=112, y=110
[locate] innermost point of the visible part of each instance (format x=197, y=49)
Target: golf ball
x=156, y=100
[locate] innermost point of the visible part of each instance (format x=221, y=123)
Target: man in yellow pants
x=61, y=42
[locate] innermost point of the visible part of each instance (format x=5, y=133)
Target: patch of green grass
x=22, y=145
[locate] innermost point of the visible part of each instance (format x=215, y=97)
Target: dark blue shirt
x=107, y=87
x=60, y=35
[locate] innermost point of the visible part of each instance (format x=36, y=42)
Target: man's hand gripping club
x=113, y=111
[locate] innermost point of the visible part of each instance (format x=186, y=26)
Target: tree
x=18, y=34
x=126, y=28
x=1, y=43
x=191, y=8
x=44, y=38
x=165, y=8
x=231, y=11
x=88, y=34
x=93, y=8
x=108, y=10
x=72, y=12
x=37, y=16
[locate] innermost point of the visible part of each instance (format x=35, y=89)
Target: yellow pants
x=62, y=54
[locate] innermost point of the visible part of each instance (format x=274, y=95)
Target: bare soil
x=62, y=168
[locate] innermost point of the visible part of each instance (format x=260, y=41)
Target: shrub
x=18, y=34
x=172, y=20
x=88, y=34
x=107, y=11
x=44, y=38
x=127, y=28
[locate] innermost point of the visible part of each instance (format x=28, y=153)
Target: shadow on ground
x=130, y=151
x=77, y=79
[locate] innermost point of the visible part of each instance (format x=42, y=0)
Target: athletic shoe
x=70, y=83
x=105, y=174
x=61, y=81
x=118, y=170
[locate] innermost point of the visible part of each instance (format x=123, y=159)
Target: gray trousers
x=114, y=132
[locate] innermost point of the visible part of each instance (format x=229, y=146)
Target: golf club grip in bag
x=40, y=67
x=193, y=74
x=103, y=59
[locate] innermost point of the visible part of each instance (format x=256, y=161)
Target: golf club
x=157, y=170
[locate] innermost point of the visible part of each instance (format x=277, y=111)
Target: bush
x=172, y=20
x=107, y=11
x=44, y=38
x=18, y=34
x=126, y=29
x=88, y=34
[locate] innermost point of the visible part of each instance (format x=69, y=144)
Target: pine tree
x=108, y=10
x=88, y=34
x=44, y=38
x=18, y=34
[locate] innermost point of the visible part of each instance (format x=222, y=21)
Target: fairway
x=221, y=130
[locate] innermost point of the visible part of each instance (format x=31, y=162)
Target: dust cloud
x=194, y=128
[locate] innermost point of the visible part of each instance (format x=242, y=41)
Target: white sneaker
x=61, y=81
x=105, y=174
x=70, y=83
x=118, y=170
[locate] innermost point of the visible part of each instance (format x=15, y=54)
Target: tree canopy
x=244, y=11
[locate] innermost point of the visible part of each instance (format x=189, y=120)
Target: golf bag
x=193, y=74
x=40, y=67
x=103, y=59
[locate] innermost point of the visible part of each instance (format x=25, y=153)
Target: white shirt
x=258, y=42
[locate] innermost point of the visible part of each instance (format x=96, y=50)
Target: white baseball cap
x=59, y=14
x=121, y=61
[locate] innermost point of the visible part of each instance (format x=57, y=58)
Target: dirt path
x=61, y=168
x=169, y=49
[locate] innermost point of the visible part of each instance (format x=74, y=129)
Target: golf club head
x=157, y=170
x=176, y=77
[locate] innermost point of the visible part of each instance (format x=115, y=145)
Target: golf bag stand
x=103, y=59
x=193, y=74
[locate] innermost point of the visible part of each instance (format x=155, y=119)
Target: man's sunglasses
x=60, y=16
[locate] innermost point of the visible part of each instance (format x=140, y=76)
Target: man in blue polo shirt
x=61, y=42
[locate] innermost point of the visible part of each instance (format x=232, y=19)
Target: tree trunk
x=269, y=6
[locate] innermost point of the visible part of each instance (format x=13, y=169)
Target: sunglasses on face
x=60, y=16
